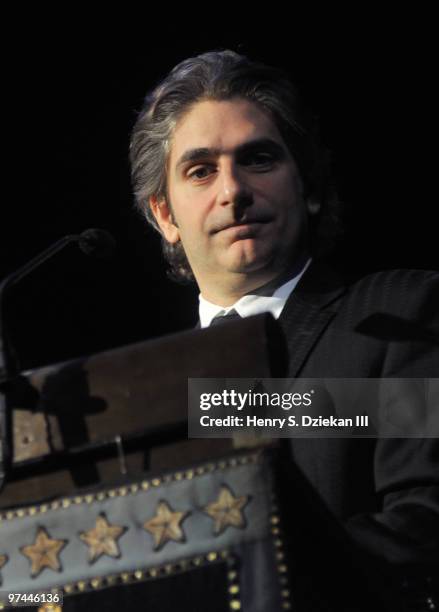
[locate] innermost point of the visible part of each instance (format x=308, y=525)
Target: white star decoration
x=166, y=525
x=226, y=511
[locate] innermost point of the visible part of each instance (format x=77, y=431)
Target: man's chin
x=251, y=264
x=248, y=254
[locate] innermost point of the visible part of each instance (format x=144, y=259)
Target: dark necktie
x=225, y=318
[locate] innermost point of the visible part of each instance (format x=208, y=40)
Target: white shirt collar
x=252, y=304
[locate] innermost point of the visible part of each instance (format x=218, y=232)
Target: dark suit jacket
x=383, y=494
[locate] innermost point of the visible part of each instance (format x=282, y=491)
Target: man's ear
x=313, y=206
x=163, y=215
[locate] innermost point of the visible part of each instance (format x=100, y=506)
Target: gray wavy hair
x=222, y=75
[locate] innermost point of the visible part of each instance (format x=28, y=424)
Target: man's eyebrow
x=196, y=154
x=199, y=153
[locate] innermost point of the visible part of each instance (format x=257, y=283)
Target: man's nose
x=234, y=190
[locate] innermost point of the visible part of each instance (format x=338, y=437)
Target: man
x=227, y=166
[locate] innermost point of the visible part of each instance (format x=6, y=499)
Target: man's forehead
x=216, y=127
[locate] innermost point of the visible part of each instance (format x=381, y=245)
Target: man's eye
x=259, y=160
x=199, y=172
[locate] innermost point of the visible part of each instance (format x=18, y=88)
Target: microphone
x=91, y=242
x=94, y=242
x=97, y=242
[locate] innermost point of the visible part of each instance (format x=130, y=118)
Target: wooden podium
x=109, y=505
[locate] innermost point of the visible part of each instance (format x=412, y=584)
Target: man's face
x=234, y=197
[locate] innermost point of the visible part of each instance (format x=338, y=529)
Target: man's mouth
x=251, y=223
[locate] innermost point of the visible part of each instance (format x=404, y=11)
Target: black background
x=72, y=87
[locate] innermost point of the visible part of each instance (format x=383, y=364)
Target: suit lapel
x=308, y=311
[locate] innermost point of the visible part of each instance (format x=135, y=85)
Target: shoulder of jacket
x=397, y=279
